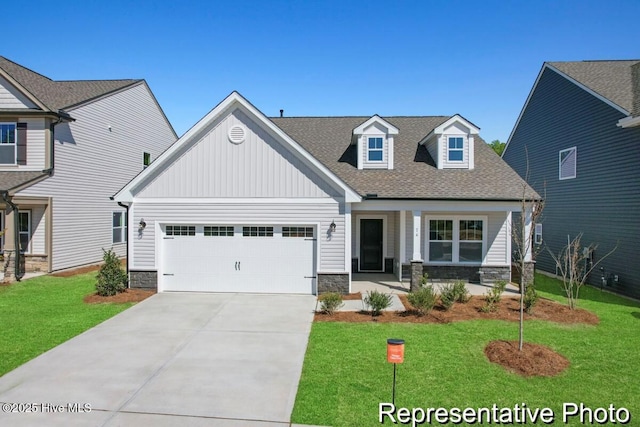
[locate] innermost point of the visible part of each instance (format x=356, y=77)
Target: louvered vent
x=237, y=134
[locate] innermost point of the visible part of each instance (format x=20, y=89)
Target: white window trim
x=537, y=239
x=384, y=238
x=123, y=228
x=15, y=143
x=575, y=166
x=381, y=149
x=455, y=250
x=20, y=233
x=449, y=150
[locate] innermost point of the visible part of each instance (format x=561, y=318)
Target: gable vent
x=237, y=134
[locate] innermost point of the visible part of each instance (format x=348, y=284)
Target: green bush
x=493, y=295
x=423, y=299
x=530, y=298
x=377, y=302
x=423, y=280
x=111, y=278
x=330, y=302
x=462, y=294
x=448, y=295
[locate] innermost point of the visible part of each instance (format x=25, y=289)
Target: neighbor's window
x=568, y=159
x=440, y=240
x=24, y=228
x=146, y=159
x=374, y=149
x=8, y=143
x=538, y=234
x=456, y=149
x=119, y=227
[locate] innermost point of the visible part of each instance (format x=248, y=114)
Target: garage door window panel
x=297, y=232
x=216, y=230
x=257, y=231
x=181, y=230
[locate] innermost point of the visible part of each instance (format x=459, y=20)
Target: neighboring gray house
x=65, y=147
x=245, y=203
x=580, y=129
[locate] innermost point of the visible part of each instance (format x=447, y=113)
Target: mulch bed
x=533, y=360
x=129, y=295
x=351, y=297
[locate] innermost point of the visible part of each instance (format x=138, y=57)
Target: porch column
x=416, y=259
x=8, y=265
x=347, y=241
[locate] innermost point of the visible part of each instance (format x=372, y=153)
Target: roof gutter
x=16, y=235
x=628, y=122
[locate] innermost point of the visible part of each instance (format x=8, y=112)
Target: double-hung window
x=374, y=149
x=456, y=239
x=441, y=240
x=456, y=149
x=568, y=160
x=119, y=227
x=470, y=244
x=8, y=143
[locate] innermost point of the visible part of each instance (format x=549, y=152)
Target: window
x=538, y=234
x=8, y=143
x=119, y=227
x=456, y=240
x=24, y=230
x=257, y=231
x=374, y=152
x=440, y=240
x=216, y=230
x=181, y=230
x=456, y=145
x=146, y=159
x=568, y=160
x=297, y=231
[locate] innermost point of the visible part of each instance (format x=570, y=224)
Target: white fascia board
x=231, y=101
x=438, y=205
x=391, y=129
x=628, y=122
x=440, y=129
x=24, y=91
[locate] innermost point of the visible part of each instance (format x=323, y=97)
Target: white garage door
x=239, y=258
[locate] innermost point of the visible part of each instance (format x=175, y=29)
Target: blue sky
x=323, y=58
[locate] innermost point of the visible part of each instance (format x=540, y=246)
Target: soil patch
x=129, y=295
x=533, y=360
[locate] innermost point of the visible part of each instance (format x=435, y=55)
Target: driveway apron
x=174, y=359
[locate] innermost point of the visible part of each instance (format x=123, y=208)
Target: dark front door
x=371, y=245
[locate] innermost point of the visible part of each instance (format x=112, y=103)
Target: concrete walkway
x=225, y=360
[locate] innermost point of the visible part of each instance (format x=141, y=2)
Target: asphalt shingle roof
x=58, y=95
x=415, y=175
x=9, y=180
x=610, y=79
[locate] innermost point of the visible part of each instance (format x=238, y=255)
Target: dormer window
x=456, y=149
x=375, y=151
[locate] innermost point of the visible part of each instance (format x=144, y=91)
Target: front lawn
x=346, y=376
x=40, y=313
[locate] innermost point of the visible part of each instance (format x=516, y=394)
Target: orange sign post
x=395, y=355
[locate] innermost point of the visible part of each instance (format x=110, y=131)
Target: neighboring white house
x=245, y=203
x=65, y=147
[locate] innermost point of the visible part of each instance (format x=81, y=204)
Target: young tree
x=498, y=146
x=575, y=263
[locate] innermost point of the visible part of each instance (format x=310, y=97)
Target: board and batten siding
x=330, y=246
x=260, y=166
x=95, y=156
x=10, y=98
x=603, y=201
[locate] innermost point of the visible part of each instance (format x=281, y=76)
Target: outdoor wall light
x=142, y=225
x=332, y=227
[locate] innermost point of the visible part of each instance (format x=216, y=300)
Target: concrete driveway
x=173, y=359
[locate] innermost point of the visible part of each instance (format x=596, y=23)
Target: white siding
x=12, y=98
x=36, y=144
x=37, y=230
x=330, y=247
x=258, y=167
x=92, y=163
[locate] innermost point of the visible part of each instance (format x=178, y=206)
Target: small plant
x=530, y=298
x=377, y=302
x=112, y=279
x=492, y=297
x=330, y=302
x=462, y=294
x=423, y=299
x=423, y=280
x=448, y=295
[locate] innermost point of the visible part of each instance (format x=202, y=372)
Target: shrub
x=330, y=302
x=448, y=295
x=111, y=278
x=492, y=297
x=423, y=280
x=462, y=294
x=530, y=298
x=423, y=299
x=377, y=301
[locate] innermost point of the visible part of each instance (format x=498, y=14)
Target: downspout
x=127, y=208
x=16, y=234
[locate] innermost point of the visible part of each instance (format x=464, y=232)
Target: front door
x=371, y=245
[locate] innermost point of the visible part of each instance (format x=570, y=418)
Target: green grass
x=40, y=313
x=346, y=376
